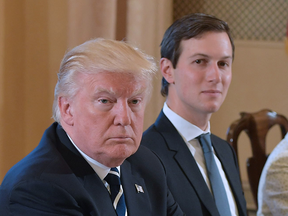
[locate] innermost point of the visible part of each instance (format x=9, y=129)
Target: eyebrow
x=207, y=56
x=111, y=91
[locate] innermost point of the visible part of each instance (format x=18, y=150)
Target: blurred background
x=35, y=34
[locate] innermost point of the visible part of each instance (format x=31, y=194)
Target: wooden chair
x=256, y=125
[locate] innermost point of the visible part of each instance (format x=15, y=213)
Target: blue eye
x=135, y=101
x=104, y=101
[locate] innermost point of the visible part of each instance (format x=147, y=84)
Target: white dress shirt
x=189, y=132
x=99, y=168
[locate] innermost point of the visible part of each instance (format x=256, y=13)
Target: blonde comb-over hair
x=101, y=55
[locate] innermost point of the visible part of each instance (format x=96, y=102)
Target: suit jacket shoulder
x=54, y=179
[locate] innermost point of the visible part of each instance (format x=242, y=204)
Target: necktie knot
x=205, y=142
x=113, y=177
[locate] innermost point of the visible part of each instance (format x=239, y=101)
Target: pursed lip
x=211, y=91
x=121, y=137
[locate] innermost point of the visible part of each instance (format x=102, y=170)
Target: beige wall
x=90, y=19
x=1, y=83
x=12, y=112
x=34, y=36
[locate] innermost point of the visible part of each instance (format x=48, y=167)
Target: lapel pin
x=139, y=188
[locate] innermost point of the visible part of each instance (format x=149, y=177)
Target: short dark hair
x=189, y=26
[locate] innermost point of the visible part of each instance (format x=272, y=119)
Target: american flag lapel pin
x=139, y=188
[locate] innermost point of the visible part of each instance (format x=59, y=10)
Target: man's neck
x=200, y=119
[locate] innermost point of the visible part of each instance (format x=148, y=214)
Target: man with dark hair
x=197, y=52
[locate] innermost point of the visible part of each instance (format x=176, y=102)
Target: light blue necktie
x=216, y=182
x=117, y=195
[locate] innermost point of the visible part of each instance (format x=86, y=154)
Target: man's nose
x=122, y=114
x=214, y=73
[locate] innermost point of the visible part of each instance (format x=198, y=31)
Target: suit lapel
x=91, y=182
x=137, y=203
x=186, y=161
x=99, y=193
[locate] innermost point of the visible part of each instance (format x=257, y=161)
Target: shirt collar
x=187, y=130
x=99, y=168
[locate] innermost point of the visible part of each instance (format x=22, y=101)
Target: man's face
x=200, y=81
x=107, y=116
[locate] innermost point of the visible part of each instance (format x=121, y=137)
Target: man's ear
x=167, y=70
x=66, y=110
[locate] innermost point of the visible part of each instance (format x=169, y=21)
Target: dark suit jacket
x=185, y=180
x=54, y=179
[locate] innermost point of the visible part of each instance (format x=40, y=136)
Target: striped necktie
x=216, y=182
x=116, y=191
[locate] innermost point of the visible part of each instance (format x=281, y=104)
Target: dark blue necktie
x=216, y=182
x=116, y=191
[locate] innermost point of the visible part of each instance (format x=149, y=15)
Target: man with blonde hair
x=88, y=161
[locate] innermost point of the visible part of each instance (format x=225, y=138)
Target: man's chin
x=211, y=108
x=123, y=152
